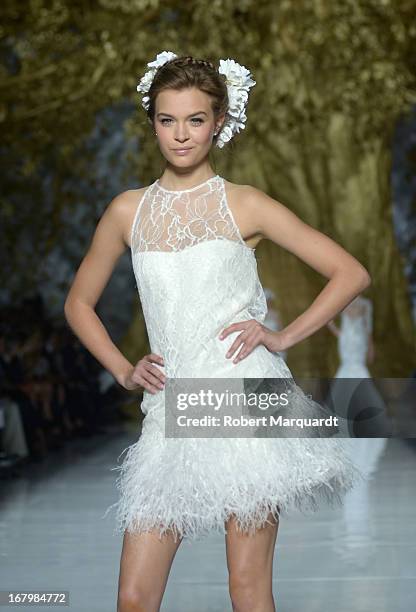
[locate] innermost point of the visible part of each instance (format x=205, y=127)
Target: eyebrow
x=191, y=115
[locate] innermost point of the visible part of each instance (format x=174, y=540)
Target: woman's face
x=185, y=125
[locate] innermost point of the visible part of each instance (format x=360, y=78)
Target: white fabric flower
x=146, y=80
x=238, y=81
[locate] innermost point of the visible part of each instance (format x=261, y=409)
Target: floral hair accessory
x=146, y=80
x=238, y=80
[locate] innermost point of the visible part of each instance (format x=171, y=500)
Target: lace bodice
x=194, y=274
x=170, y=220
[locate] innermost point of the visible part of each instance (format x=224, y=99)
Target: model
x=193, y=236
x=359, y=404
x=355, y=340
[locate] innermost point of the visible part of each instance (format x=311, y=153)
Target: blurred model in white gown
x=356, y=349
x=355, y=340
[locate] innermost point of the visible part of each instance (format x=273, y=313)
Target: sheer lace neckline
x=186, y=190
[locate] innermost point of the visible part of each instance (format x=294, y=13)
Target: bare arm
x=106, y=247
x=347, y=276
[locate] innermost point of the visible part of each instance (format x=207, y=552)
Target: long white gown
x=353, y=341
x=356, y=326
x=353, y=539
x=353, y=389
x=195, y=276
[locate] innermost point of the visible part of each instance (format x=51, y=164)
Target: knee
x=249, y=591
x=136, y=600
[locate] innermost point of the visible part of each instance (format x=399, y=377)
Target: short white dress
x=195, y=276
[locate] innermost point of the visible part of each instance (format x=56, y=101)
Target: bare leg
x=145, y=564
x=250, y=567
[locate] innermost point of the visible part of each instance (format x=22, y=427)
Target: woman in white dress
x=356, y=350
x=355, y=338
x=192, y=236
x=353, y=394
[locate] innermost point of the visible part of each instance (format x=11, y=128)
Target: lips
x=182, y=152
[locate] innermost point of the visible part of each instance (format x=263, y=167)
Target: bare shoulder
x=122, y=209
x=233, y=188
x=252, y=196
x=252, y=207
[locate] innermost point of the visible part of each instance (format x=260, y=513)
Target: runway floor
x=359, y=558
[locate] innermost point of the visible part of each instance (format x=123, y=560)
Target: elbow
x=365, y=278
x=67, y=309
x=71, y=312
x=357, y=275
x=69, y=305
x=73, y=305
x=68, y=299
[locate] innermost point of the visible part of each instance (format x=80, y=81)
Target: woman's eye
x=197, y=119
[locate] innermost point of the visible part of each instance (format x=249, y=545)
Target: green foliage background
x=332, y=79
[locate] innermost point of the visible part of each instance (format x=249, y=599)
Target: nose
x=181, y=133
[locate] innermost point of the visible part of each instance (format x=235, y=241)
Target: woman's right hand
x=146, y=375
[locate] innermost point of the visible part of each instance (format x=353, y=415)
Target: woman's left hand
x=253, y=334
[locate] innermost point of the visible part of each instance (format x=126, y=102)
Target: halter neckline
x=185, y=190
